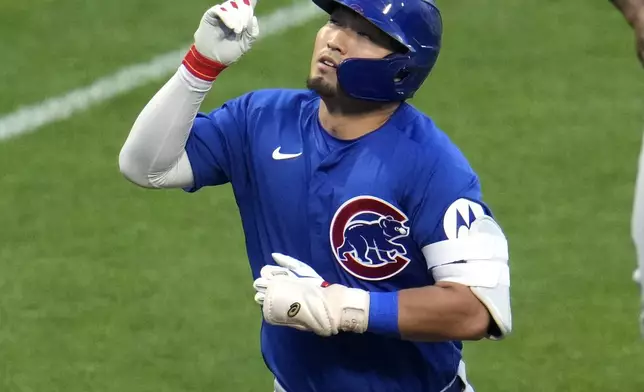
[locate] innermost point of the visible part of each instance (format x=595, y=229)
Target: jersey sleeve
x=446, y=207
x=462, y=243
x=215, y=146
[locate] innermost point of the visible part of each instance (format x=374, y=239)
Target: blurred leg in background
x=633, y=12
x=637, y=225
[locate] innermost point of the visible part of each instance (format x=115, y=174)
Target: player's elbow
x=133, y=170
x=486, y=320
x=477, y=324
x=472, y=319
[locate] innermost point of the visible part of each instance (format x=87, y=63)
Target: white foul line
x=29, y=118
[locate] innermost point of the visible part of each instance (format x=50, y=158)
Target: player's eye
x=334, y=21
x=365, y=35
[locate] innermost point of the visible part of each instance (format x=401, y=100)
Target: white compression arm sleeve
x=154, y=155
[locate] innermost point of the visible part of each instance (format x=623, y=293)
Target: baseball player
x=373, y=254
x=633, y=11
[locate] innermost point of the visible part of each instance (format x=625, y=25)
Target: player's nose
x=338, y=41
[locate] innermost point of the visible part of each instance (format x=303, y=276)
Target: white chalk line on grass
x=31, y=117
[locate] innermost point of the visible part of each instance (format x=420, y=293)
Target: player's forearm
x=446, y=311
x=153, y=155
x=629, y=8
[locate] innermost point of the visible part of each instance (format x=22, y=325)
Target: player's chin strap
x=478, y=260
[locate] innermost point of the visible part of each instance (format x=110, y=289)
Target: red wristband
x=201, y=66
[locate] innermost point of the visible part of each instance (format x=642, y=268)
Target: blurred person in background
x=633, y=11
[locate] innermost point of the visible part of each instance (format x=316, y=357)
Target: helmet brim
x=374, y=11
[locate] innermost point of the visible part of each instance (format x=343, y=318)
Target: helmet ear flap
x=401, y=75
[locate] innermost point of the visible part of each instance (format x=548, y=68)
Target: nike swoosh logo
x=278, y=156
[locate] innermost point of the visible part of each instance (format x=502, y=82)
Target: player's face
x=345, y=35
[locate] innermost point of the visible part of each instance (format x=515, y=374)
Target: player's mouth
x=327, y=62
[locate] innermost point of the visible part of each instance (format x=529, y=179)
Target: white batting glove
x=292, y=294
x=226, y=32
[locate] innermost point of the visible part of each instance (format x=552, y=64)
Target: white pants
x=461, y=374
x=277, y=387
x=637, y=231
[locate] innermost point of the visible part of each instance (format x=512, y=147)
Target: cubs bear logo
x=365, y=234
x=357, y=8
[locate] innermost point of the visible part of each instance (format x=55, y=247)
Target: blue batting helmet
x=416, y=24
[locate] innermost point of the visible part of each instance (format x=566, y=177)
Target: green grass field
x=106, y=287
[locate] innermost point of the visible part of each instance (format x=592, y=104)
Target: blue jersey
x=359, y=212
